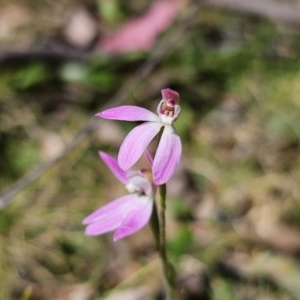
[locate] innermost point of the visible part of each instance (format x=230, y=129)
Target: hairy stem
x=168, y=269
x=160, y=212
x=154, y=223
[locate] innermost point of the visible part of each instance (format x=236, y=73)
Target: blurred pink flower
x=140, y=33
x=169, y=149
x=127, y=214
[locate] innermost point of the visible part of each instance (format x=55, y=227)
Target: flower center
x=168, y=111
x=167, y=108
x=139, y=183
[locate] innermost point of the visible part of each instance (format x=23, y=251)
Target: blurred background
x=233, y=222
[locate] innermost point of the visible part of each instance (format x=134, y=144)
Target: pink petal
x=116, y=209
x=135, y=144
x=140, y=33
x=128, y=113
x=102, y=226
x=136, y=219
x=169, y=94
x=112, y=163
x=167, y=156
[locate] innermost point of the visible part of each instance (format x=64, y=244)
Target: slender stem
x=162, y=219
x=168, y=269
x=159, y=219
x=154, y=223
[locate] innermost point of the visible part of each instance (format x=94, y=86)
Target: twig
x=274, y=10
x=51, y=56
x=166, y=45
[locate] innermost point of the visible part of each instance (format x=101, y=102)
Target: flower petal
x=135, y=144
x=169, y=94
x=118, y=208
x=114, y=217
x=128, y=113
x=112, y=163
x=136, y=219
x=102, y=226
x=167, y=156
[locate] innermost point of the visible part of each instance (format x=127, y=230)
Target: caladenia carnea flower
x=127, y=214
x=169, y=148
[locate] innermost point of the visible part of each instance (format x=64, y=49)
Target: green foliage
x=292, y=216
x=181, y=210
x=110, y=10
x=30, y=76
x=7, y=218
x=22, y=155
x=102, y=80
x=223, y=289
x=181, y=243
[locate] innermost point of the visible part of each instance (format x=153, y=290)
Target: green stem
x=162, y=189
x=168, y=269
x=154, y=223
x=158, y=224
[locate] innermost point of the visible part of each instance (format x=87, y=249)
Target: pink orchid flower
x=127, y=214
x=169, y=149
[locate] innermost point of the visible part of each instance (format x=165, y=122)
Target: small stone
x=81, y=29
